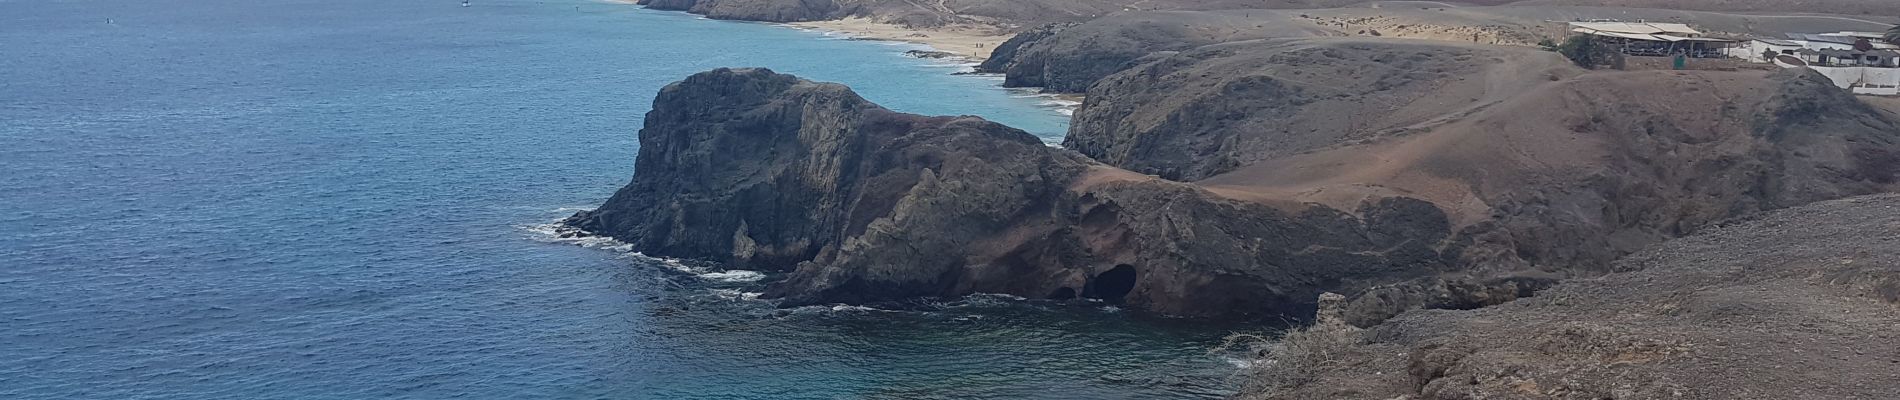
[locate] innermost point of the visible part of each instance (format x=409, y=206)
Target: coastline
x=963, y=41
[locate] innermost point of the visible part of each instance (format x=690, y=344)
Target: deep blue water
x=341, y=199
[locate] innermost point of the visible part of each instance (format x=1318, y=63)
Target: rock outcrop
x=1800, y=303
x=765, y=171
x=1210, y=110
x=1544, y=171
x=762, y=170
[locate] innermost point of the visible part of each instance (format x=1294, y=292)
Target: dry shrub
x=1296, y=358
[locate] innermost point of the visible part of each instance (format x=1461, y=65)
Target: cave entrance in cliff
x=1115, y=283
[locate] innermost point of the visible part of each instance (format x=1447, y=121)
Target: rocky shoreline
x=864, y=204
x=1240, y=164
x=766, y=171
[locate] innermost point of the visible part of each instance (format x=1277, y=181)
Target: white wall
x=1753, y=49
x=1864, y=80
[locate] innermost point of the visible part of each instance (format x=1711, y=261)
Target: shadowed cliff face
x=763, y=170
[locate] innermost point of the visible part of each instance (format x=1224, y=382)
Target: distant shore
x=970, y=42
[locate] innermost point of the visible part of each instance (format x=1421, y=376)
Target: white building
x=1757, y=50
x=1654, y=38
x=1875, y=81
x=1861, y=62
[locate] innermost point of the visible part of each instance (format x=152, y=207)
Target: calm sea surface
x=346, y=199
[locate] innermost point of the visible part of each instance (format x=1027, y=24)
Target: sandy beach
x=973, y=42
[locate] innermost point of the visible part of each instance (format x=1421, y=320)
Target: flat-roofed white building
x=1654, y=38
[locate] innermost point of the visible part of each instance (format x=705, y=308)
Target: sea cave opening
x=1062, y=293
x=1115, y=283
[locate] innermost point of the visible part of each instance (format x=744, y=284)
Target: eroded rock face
x=1545, y=171
x=763, y=170
x=1006, y=55
x=1210, y=110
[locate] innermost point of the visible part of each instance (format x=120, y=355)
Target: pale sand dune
x=973, y=42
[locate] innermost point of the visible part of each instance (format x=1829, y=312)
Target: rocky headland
x=1568, y=233
x=762, y=170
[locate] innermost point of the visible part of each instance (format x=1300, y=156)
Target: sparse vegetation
x=1586, y=51
x=1295, y=359
x=1547, y=44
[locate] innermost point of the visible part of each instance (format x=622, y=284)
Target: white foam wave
x=555, y=232
x=735, y=294
x=1242, y=363
x=733, y=276
x=966, y=65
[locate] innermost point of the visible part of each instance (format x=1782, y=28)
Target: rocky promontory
x=762, y=170
x=765, y=171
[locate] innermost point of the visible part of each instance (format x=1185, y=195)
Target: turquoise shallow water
x=345, y=199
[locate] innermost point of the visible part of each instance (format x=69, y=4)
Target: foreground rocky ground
x=1801, y=303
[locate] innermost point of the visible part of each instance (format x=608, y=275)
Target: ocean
x=346, y=199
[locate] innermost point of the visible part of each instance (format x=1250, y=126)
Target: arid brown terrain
x=1235, y=162
x=1801, y=303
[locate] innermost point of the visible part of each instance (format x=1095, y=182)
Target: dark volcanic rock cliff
x=1210, y=110
x=1542, y=168
x=763, y=170
x=1476, y=206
